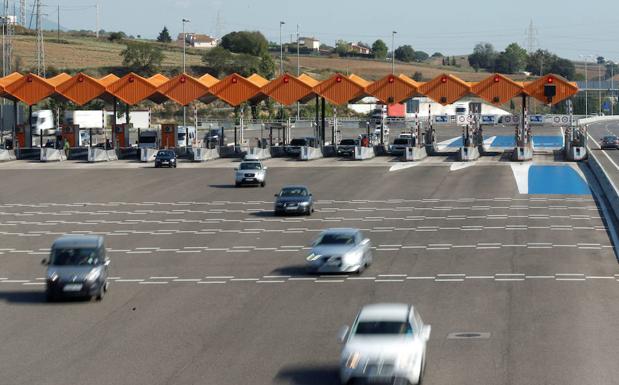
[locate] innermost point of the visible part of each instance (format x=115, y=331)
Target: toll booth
x=120, y=135
x=20, y=136
x=71, y=133
x=169, y=135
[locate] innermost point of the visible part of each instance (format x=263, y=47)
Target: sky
x=568, y=28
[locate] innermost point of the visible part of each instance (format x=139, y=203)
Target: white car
x=387, y=342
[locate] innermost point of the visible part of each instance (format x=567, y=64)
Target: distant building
x=309, y=43
x=197, y=40
x=356, y=48
x=8, y=20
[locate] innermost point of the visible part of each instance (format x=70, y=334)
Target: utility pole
x=185, y=21
x=531, y=33
x=58, y=29
x=600, y=88
x=281, y=49
x=393, y=52
x=40, y=43
x=298, y=69
x=22, y=13
x=98, y=28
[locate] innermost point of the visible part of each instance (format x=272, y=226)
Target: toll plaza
x=307, y=139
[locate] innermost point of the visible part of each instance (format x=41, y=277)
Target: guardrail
x=608, y=186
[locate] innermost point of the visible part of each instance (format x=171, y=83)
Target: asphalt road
x=209, y=287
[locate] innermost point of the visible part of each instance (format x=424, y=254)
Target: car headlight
x=313, y=257
x=405, y=360
x=353, y=361
x=304, y=204
x=53, y=277
x=93, y=275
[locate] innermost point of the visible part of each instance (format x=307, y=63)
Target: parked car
x=399, y=145
x=294, y=200
x=294, y=147
x=340, y=251
x=165, y=158
x=250, y=173
x=347, y=147
x=610, y=142
x=77, y=267
x=387, y=342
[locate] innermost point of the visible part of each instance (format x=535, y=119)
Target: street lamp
x=586, y=57
x=281, y=49
x=185, y=21
x=298, y=68
x=393, y=52
x=612, y=86
x=599, y=88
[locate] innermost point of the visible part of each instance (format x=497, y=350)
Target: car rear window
x=347, y=142
x=383, y=328
x=337, y=239
x=298, y=142
x=400, y=141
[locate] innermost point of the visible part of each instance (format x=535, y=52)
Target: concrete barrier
x=257, y=153
x=415, y=154
x=278, y=152
x=609, y=188
x=521, y=154
x=381, y=150
x=7, y=155
x=233, y=151
x=101, y=155
x=78, y=153
x=310, y=153
x=128, y=153
x=576, y=153
x=204, y=154
x=363, y=153
x=33, y=153
x=52, y=155
x=148, y=154
x=468, y=154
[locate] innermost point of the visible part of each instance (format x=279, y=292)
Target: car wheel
x=175, y=166
x=237, y=184
x=308, y=212
x=101, y=293
x=262, y=184
x=50, y=297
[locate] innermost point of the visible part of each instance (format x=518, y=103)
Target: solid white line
x=129, y=280
x=186, y=280
x=480, y=277
x=329, y=280
x=212, y=282
x=154, y=283
x=420, y=278
x=539, y=276
x=301, y=279
x=389, y=280
x=272, y=281
x=219, y=276
x=392, y=275
x=598, y=277
x=33, y=283
x=508, y=279
x=448, y=280
x=163, y=277
x=244, y=279
x=363, y=278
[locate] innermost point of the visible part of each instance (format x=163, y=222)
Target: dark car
x=294, y=147
x=347, y=147
x=214, y=137
x=165, y=158
x=610, y=141
x=294, y=200
x=399, y=146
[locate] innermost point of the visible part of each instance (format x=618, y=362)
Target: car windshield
x=250, y=166
x=384, y=327
x=148, y=139
x=400, y=141
x=348, y=142
x=165, y=154
x=293, y=192
x=337, y=239
x=74, y=257
x=610, y=138
x=298, y=142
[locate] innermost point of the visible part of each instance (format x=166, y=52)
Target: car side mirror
x=276, y=195
x=106, y=262
x=342, y=334
x=425, y=332
x=265, y=168
x=365, y=241
x=311, y=195
x=44, y=261
x=236, y=169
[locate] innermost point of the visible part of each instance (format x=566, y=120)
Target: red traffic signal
x=497, y=79
x=550, y=80
x=444, y=79
x=234, y=80
x=286, y=80
x=391, y=79
x=338, y=79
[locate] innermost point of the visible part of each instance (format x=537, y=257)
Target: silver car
x=387, y=342
x=340, y=251
x=77, y=267
x=250, y=173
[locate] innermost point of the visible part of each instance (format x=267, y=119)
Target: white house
x=309, y=43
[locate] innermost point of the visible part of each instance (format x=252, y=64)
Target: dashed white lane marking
x=381, y=278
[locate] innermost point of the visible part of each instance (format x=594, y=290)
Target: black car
x=294, y=147
x=294, y=200
x=165, y=158
x=347, y=147
x=610, y=141
x=399, y=145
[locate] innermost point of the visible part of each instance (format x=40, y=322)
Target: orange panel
x=288, y=90
x=339, y=89
x=109, y=79
x=564, y=88
x=80, y=89
x=131, y=89
x=258, y=80
x=392, y=89
x=158, y=79
x=58, y=79
x=359, y=80
x=30, y=89
x=183, y=89
x=445, y=89
x=497, y=89
x=208, y=80
x=235, y=89
x=310, y=81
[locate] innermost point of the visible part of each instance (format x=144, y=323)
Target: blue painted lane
x=556, y=180
x=539, y=141
x=456, y=143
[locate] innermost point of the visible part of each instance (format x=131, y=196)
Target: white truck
x=182, y=138
x=84, y=118
x=139, y=119
x=42, y=123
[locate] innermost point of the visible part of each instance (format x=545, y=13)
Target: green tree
x=437, y=54
x=164, y=36
x=564, y=67
x=248, y=42
x=405, y=53
x=379, y=49
x=612, y=69
x=342, y=47
x=512, y=60
x=540, y=62
x=483, y=57
x=116, y=36
x=219, y=60
x=420, y=56
x=142, y=58
x=453, y=61
x=601, y=60
x=266, y=67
